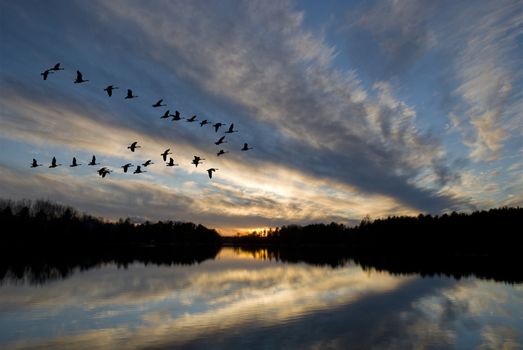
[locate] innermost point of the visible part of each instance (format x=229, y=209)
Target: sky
x=352, y=108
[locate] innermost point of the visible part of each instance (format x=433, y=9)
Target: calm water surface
x=241, y=301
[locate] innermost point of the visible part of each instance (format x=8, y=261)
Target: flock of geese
x=104, y=171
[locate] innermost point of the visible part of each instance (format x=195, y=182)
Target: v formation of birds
x=104, y=171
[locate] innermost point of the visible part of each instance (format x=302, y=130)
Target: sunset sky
x=352, y=108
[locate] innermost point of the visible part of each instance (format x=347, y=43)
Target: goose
x=230, y=131
x=139, y=170
x=53, y=163
x=171, y=162
x=159, y=103
x=74, y=163
x=93, y=161
x=133, y=146
x=220, y=141
x=56, y=67
x=130, y=94
x=176, y=116
x=204, y=122
x=197, y=160
x=165, y=115
x=210, y=171
x=126, y=167
x=45, y=73
x=34, y=164
x=221, y=152
x=192, y=119
x=110, y=89
x=79, y=78
x=165, y=153
x=217, y=126
x=103, y=171
x=246, y=147
x=147, y=163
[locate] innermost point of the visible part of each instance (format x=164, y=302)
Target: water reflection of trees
x=42, y=240
x=484, y=244
x=484, y=267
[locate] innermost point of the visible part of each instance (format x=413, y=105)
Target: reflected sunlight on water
x=249, y=300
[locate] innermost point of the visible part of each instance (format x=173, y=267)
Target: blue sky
x=353, y=108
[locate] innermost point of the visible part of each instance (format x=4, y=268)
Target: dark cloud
x=252, y=64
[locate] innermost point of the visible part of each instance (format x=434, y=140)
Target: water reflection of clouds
x=226, y=303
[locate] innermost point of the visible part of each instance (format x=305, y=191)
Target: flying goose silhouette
x=53, y=163
x=45, y=73
x=126, y=167
x=221, y=152
x=204, y=122
x=56, y=67
x=147, y=163
x=210, y=171
x=74, y=163
x=165, y=153
x=197, y=160
x=191, y=119
x=220, y=141
x=34, y=164
x=165, y=115
x=139, y=170
x=246, y=147
x=171, y=162
x=101, y=170
x=159, y=103
x=216, y=126
x=176, y=116
x=110, y=89
x=104, y=171
x=93, y=161
x=230, y=131
x=133, y=146
x=79, y=78
x=130, y=94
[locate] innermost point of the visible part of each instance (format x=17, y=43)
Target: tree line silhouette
x=485, y=244
x=50, y=240
x=42, y=240
x=495, y=232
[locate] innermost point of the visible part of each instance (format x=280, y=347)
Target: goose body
x=139, y=170
x=93, y=161
x=171, y=162
x=130, y=94
x=79, y=78
x=159, y=103
x=126, y=167
x=133, y=146
x=220, y=141
x=231, y=129
x=53, y=163
x=210, y=171
x=165, y=153
x=246, y=147
x=34, y=164
x=74, y=163
x=176, y=116
x=109, y=89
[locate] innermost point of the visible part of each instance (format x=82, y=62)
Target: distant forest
x=494, y=232
x=45, y=240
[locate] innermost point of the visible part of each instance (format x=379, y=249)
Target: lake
x=245, y=300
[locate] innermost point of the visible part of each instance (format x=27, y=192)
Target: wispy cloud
x=322, y=120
